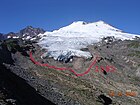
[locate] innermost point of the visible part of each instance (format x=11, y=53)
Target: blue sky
x=54, y=14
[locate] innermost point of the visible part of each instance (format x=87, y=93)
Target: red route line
x=63, y=68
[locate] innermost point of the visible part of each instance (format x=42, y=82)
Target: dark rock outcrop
x=1, y=36
x=25, y=33
x=29, y=30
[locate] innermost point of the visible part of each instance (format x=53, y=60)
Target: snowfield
x=68, y=41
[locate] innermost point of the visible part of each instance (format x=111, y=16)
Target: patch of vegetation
x=14, y=45
x=136, y=78
x=135, y=53
x=134, y=44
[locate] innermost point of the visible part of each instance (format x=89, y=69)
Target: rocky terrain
x=24, y=83
x=26, y=33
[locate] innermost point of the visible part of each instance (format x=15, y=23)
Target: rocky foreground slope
x=24, y=83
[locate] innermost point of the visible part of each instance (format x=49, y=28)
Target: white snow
x=12, y=37
x=27, y=37
x=8, y=37
x=15, y=37
x=76, y=36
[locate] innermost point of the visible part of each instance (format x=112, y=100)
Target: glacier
x=72, y=38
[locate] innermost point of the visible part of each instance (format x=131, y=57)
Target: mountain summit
x=81, y=26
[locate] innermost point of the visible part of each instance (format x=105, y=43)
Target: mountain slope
x=63, y=87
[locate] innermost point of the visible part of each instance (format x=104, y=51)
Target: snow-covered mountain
x=68, y=41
